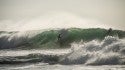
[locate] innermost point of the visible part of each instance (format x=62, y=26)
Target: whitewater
x=108, y=54
x=78, y=49
x=61, y=39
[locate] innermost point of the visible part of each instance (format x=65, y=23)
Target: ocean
x=78, y=49
x=46, y=66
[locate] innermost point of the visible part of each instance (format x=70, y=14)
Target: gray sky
x=109, y=12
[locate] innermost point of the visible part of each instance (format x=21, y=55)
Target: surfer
x=62, y=36
x=109, y=31
x=59, y=37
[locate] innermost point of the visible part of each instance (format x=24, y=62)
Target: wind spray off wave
x=51, y=20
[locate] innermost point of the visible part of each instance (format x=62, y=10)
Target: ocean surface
x=41, y=66
x=71, y=49
x=46, y=66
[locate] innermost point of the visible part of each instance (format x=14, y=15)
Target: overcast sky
x=109, y=12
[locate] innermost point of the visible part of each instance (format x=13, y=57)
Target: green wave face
x=50, y=38
x=60, y=38
x=47, y=39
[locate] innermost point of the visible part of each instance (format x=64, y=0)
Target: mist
x=16, y=15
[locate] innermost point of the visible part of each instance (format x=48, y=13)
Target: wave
x=49, y=38
x=109, y=51
x=31, y=58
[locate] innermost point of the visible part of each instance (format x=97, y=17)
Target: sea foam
x=111, y=51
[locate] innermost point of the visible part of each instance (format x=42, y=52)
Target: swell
x=49, y=38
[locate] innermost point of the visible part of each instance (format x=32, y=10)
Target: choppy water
x=43, y=66
x=108, y=54
x=9, y=54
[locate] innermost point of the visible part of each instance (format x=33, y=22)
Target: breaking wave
x=109, y=51
x=49, y=38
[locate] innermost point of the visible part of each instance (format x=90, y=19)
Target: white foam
x=108, y=51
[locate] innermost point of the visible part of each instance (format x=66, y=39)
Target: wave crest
x=49, y=38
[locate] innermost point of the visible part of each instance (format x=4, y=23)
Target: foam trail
x=109, y=51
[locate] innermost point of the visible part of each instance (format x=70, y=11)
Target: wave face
x=111, y=51
x=49, y=38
